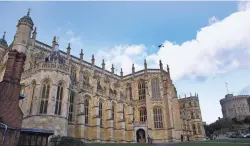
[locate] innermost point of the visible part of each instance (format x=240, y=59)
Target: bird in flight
x=161, y=45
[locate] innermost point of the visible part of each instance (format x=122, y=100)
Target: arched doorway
x=141, y=136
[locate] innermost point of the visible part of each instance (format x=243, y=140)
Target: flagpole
x=227, y=88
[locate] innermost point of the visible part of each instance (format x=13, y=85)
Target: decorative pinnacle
x=54, y=39
x=34, y=30
x=68, y=46
x=28, y=14
x=4, y=34
x=81, y=52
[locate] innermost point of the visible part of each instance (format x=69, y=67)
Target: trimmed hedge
x=66, y=141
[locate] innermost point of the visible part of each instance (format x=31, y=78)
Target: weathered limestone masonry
x=192, y=124
x=76, y=98
x=235, y=106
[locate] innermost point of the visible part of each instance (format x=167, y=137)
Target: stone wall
x=192, y=123
x=235, y=106
x=99, y=85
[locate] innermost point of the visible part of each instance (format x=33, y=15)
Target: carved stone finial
x=34, y=30
x=145, y=63
x=133, y=68
x=69, y=46
x=160, y=63
x=54, y=39
x=28, y=14
x=81, y=52
x=121, y=72
x=4, y=33
x=103, y=64
x=112, y=68
x=93, y=59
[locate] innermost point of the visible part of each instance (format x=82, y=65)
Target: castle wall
x=235, y=106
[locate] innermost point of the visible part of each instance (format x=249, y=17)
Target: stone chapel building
x=74, y=97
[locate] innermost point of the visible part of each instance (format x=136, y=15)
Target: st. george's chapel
x=74, y=97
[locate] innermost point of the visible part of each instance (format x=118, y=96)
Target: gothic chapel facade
x=76, y=98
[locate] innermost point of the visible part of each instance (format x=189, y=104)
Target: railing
x=46, y=66
x=8, y=136
x=4, y=133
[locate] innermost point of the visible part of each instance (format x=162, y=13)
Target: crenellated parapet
x=101, y=70
x=235, y=106
x=232, y=98
x=62, y=68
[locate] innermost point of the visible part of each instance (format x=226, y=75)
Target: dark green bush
x=66, y=141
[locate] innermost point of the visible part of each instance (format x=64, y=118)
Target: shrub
x=66, y=141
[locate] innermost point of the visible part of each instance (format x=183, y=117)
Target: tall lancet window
x=45, y=97
x=71, y=107
x=157, y=117
x=59, y=97
x=33, y=86
x=86, y=110
x=155, y=85
x=199, y=128
x=142, y=89
x=143, y=114
x=123, y=112
x=100, y=113
x=129, y=92
x=194, y=129
x=113, y=111
x=73, y=75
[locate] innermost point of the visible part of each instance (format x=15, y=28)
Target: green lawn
x=204, y=143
